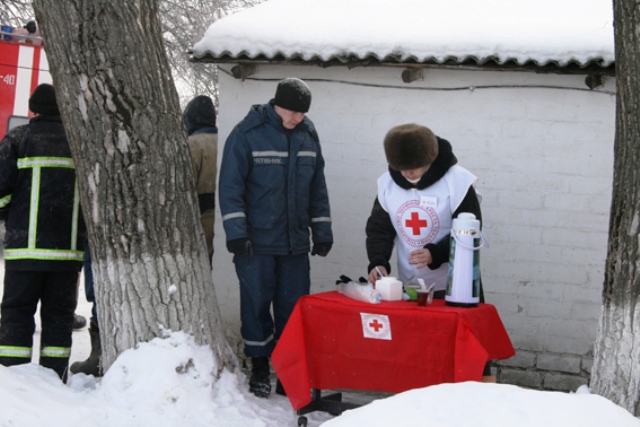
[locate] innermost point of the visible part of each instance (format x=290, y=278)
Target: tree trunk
x=122, y=117
x=616, y=370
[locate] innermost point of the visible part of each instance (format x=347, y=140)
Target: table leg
x=331, y=403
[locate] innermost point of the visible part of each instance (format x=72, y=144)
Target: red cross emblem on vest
x=415, y=223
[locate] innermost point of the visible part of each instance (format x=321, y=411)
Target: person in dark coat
x=273, y=198
x=44, y=235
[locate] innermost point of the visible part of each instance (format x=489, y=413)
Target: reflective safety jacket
x=39, y=199
x=272, y=185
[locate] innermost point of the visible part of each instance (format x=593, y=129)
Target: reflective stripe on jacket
x=272, y=185
x=38, y=188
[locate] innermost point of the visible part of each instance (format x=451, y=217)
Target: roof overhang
x=470, y=63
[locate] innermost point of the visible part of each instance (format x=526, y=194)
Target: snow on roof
x=558, y=32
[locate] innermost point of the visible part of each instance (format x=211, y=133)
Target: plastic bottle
x=360, y=291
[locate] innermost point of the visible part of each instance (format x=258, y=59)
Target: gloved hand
x=240, y=246
x=321, y=249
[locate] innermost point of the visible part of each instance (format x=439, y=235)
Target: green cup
x=412, y=292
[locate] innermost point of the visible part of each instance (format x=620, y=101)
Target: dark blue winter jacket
x=272, y=185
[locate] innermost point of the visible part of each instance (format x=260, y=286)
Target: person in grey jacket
x=273, y=198
x=200, y=122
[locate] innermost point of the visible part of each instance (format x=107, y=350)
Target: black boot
x=259, y=383
x=59, y=365
x=79, y=322
x=91, y=366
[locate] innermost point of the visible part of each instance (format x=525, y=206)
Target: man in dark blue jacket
x=44, y=236
x=273, y=194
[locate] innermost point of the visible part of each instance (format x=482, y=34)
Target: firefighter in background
x=44, y=235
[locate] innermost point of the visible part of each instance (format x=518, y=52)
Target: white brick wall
x=543, y=158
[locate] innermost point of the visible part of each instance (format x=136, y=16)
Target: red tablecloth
x=332, y=341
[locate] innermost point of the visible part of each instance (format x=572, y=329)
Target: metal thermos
x=463, y=277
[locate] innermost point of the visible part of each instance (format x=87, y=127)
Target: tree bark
x=616, y=371
x=123, y=120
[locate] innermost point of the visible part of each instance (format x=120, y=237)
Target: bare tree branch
x=184, y=22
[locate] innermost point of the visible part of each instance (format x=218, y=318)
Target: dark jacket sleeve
x=440, y=250
x=319, y=210
x=380, y=237
x=234, y=169
x=8, y=168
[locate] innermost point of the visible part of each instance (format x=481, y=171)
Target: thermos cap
x=464, y=223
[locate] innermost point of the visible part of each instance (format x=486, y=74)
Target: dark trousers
x=88, y=283
x=57, y=294
x=266, y=280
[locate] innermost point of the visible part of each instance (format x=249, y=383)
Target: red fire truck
x=23, y=66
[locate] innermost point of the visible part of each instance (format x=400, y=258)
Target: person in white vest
x=418, y=197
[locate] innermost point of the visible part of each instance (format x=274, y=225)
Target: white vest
x=423, y=216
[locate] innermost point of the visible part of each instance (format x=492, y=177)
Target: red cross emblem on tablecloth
x=376, y=326
x=415, y=223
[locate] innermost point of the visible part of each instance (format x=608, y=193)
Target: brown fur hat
x=410, y=146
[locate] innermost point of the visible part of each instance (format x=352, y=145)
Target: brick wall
x=542, y=148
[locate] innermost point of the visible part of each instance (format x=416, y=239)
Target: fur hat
x=293, y=94
x=43, y=100
x=410, y=146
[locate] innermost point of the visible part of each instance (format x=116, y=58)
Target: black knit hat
x=31, y=27
x=410, y=146
x=43, y=100
x=293, y=94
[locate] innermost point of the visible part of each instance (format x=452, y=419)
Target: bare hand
x=420, y=258
x=374, y=275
